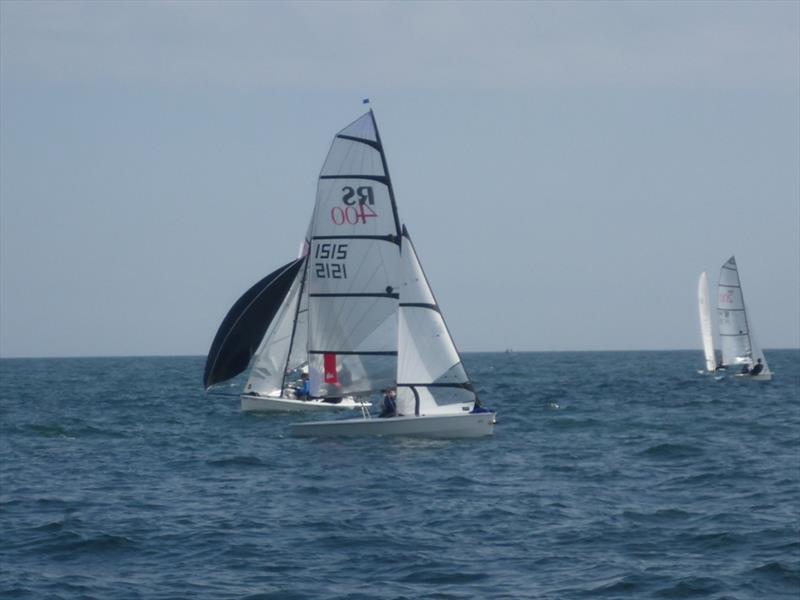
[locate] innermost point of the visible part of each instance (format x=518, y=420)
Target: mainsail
x=430, y=376
x=353, y=268
x=736, y=336
x=705, y=323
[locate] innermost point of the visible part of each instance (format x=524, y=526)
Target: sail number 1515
x=324, y=255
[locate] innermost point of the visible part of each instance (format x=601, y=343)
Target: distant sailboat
x=739, y=348
x=705, y=323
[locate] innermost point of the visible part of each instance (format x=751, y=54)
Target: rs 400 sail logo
x=358, y=206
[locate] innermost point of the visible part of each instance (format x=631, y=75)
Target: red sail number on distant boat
x=330, y=368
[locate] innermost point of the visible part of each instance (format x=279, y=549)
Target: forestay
x=353, y=268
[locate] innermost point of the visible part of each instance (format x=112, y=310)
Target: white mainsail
x=353, y=269
x=705, y=323
x=736, y=336
x=430, y=375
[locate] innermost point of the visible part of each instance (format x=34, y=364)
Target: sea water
x=610, y=475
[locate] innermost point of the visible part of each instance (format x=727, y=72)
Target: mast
x=388, y=177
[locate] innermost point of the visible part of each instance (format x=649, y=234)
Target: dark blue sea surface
x=610, y=475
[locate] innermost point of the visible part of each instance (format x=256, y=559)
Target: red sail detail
x=330, y=368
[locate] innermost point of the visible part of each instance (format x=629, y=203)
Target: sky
x=566, y=169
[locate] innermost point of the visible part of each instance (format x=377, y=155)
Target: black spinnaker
x=246, y=323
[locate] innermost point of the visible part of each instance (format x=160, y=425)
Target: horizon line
x=507, y=351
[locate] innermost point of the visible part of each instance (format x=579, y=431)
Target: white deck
x=465, y=425
x=275, y=404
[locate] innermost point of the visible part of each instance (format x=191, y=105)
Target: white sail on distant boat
x=705, y=323
x=739, y=347
x=373, y=321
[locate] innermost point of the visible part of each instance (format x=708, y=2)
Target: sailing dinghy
x=373, y=322
x=705, y=324
x=265, y=331
x=739, y=348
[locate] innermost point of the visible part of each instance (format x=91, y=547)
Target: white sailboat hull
x=467, y=425
x=759, y=377
x=252, y=403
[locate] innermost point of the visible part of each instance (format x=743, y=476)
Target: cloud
x=397, y=45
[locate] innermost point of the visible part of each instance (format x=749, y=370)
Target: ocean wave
x=672, y=451
x=236, y=461
x=692, y=587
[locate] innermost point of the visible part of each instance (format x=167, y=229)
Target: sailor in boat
x=389, y=406
x=304, y=391
x=334, y=392
x=757, y=368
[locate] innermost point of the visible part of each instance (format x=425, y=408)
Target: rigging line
x=294, y=324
